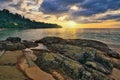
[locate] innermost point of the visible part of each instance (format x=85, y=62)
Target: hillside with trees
x=10, y=20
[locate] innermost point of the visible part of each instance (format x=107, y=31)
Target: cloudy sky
x=69, y=13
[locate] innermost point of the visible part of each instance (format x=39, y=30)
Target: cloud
x=89, y=7
x=92, y=7
x=5, y=0
x=4, y=3
x=27, y=5
x=57, y=6
x=110, y=17
x=83, y=11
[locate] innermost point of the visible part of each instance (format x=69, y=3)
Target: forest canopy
x=10, y=20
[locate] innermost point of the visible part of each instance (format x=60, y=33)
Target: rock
x=11, y=47
x=14, y=39
x=50, y=61
x=115, y=62
x=81, y=43
x=2, y=45
x=86, y=76
x=14, y=46
x=107, y=64
x=51, y=40
x=96, y=75
x=81, y=54
x=68, y=67
x=14, y=43
x=20, y=46
x=29, y=44
x=7, y=45
x=113, y=54
x=78, y=42
x=94, y=44
x=99, y=67
x=89, y=43
x=84, y=55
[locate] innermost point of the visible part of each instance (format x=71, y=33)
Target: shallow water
x=109, y=36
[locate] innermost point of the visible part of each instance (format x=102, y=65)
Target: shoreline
x=65, y=56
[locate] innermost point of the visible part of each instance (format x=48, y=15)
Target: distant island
x=10, y=20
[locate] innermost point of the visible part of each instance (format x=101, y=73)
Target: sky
x=68, y=13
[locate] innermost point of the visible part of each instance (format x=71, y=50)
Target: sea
x=110, y=36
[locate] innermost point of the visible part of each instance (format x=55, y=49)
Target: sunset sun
x=71, y=24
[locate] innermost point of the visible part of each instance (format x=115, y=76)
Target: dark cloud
x=4, y=3
x=5, y=0
x=53, y=7
x=18, y=5
x=57, y=6
x=91, y=7
x=2, y=0
x=110, y=17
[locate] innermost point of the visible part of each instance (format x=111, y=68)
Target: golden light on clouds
x=71, y=24
x=74, y=8
x=105, y=24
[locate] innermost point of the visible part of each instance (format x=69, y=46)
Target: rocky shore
x=70, y=59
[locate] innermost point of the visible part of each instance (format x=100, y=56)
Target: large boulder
x=14, y=39
x=68, y=67
x=52, y=61
x=78, y=42
x=94, y=44
x=81, y=43
x=84, y=55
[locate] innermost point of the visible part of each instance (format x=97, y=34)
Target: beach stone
x=29, y=44
x=3, y=45
x=6, y=45
x=14, y=39
x=51, y=40
x=20, y=46
x=11, y=47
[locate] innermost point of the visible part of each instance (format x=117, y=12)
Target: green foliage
x=9, y=20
